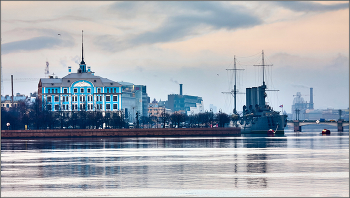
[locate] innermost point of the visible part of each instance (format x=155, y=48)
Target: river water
x=294, y=164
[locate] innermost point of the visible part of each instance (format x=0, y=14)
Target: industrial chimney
x=311, y=106
x=180, y=89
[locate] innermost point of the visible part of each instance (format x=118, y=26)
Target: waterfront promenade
x=120, y=132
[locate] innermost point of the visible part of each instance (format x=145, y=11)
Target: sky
x=162, y=44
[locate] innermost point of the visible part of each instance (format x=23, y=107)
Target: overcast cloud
x=186, y=19
x=162, y=44
x=307, y=6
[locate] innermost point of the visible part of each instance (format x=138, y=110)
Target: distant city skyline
x=164, y=44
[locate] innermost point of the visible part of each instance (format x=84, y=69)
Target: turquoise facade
x=81, y=95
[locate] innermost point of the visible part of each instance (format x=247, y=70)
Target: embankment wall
x=119, y=132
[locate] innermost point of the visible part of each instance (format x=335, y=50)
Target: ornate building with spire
x=80, y=91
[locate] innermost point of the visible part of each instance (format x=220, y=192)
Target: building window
x=98, y=90
x=115, y=106
x=115, y=90
x=89, y=90
x=100, y=106
x=66, y=98
x=108, y=98
x=82, y=107
x=49, y=91
x=108, y=106
x=49, y=99
x=65, y=91
x=75, y=90
x=63, y=99
x=82, y=98
x=90, y=107
x=56, y=108
x=115, y=98
x=49, y=107
x=56, y=98
x=81, y=90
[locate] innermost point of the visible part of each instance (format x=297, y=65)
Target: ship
x=257, y=115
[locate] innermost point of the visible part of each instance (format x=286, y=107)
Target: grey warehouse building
x=182, y=103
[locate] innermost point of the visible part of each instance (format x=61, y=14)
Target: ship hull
x=261, y=125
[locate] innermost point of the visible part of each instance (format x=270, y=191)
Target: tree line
x=31, y=116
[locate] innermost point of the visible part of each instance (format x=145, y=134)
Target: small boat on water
x=270, y=131
x=326, y=131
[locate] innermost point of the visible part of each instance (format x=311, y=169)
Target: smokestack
x=180, y=89
x=254, y=96
x=311, y=98
x=69, y=69
x=12, y=88
x=248, y=97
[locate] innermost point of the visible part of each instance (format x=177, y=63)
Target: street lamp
x=220, y=118
x=8, y=126
x=211, y=117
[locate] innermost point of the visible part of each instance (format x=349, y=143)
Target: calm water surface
x=294, y=164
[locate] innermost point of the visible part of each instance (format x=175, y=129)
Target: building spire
x=82, y=48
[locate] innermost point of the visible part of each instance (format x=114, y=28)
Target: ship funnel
x=248, y=98
x=254, y=96
x=261, y=96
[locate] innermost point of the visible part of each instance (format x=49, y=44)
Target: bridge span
x=297, y=124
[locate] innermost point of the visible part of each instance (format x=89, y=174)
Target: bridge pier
x=296, y=126
x=340, y=125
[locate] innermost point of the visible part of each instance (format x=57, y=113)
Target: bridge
x=297, y=124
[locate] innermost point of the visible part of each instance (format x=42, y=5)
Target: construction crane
x=300, y=95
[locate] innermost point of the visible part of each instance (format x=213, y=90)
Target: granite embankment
x=120, y=132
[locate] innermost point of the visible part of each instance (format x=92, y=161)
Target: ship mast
x=263, y=66
x=234, y=92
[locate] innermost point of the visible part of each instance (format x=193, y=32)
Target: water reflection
x=248, y=163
